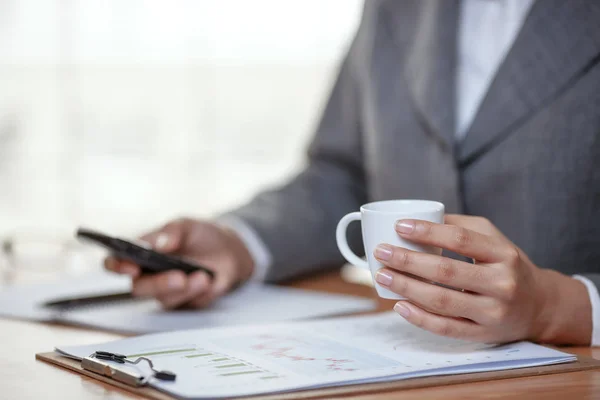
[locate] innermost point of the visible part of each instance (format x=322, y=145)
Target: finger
x=169, y=238
x=159, y=284
x=455, y=238
x=477, y=224
x=122, y=267
x=203, y=300
x=440, y=300
x=110, y=263
x=440, y=325
x=449, y=272
x=196, y=285
x=223, y=282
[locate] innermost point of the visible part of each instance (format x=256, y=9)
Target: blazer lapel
x=559, y=42
x=430, y=62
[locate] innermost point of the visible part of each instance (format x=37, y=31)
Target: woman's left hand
x=501, y=297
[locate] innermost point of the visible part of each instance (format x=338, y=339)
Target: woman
x=476, y=104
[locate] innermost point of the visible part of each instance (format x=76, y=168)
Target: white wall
x=119, y=114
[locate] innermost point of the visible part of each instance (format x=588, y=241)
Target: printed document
x=283, y=357
x=250, y=304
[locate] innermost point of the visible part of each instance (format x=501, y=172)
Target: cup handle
x=342, y=241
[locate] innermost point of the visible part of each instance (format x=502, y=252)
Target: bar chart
x=209, y=364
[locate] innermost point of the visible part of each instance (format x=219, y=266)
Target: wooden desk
x=25, y=378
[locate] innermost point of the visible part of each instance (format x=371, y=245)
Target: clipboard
x=581, y=364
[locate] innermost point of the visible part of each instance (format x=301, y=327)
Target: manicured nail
x=161, y=241
x=402, y=310
x=384, y=278
x=383, y=252
x=176, y=282
x=406, y=227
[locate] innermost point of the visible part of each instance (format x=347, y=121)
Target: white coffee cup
x=378, y=222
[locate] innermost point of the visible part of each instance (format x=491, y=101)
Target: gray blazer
x=530, y=162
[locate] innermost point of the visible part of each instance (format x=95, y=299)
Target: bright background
x=121, y=114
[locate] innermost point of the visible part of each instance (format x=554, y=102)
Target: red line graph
x=279, y=347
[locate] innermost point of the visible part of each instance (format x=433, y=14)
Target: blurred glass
x=28, y=256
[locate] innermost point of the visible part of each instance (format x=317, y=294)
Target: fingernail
x=402, y=310
x=383, y=252
x=384, y=278
x=406, y=227
x=161, y=241
x=176, y=282
x=110, y=263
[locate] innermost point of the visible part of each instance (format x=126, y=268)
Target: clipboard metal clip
x=130, y=378
x=96, y=363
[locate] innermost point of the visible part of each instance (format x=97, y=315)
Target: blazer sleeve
x=297, y=221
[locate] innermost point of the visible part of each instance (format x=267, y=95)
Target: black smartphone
x=150, y=261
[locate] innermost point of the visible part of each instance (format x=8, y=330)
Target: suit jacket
x=530, y=161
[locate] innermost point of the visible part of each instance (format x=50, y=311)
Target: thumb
x=167, y=239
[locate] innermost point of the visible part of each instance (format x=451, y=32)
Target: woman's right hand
x=206, y=243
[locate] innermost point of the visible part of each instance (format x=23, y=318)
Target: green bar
x=155, y=353
x=269, y=377
x=199, y=355
x=220, y=359
x=231, y=365
x=241, y=373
